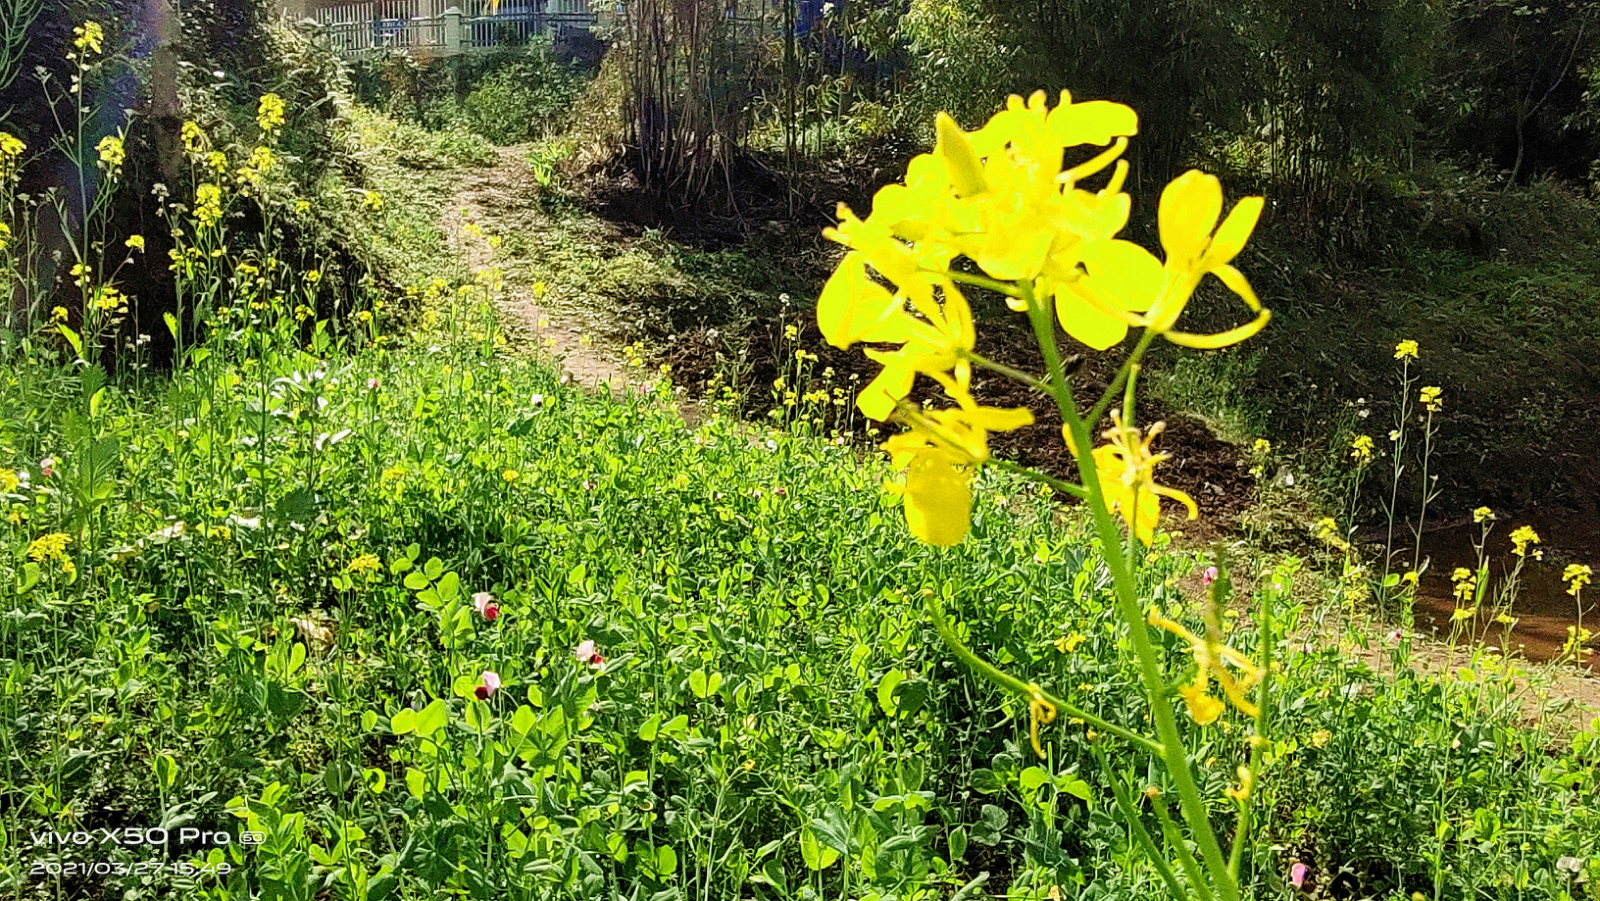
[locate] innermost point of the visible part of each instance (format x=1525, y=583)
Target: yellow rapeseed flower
x=372, y=200
x=1212, y=658
x=1001, y=197
x=193, y=137
x=1066, y=644
x=135, y=242
x=1521, y=537
x=365, y=563
x=208, y=205
x=49, y=547
x=1576, y=576
x=112, y=152
x=1430, y=398
x=9, y=481
x=88, y=36
x=1406, y=350
x=1125, y=468
x=939, y=455
x=270, y=113
x=1482, y=515
x=1361, y=448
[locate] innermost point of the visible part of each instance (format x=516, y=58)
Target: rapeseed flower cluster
x=112, y=152
x=1521, y=537
x=1576, y=575
x=88, y=37
x=11, y=150
x=1002, y=197
x=270, y=113
x=1361, y=449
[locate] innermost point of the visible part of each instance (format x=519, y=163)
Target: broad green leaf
x=432, y=718
x=886, y=687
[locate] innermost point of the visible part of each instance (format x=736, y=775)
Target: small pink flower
x=586, y=653
x=1209, y=576
x=489, y=684
x=588, y=485
x=1297, y=874
x=781, y=491
x=47, y=467
x=372, y=384
x=1396, y=636
x=483, y=602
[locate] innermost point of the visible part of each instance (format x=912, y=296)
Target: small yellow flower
x=939, y=455
x=1361, y=448
x=59, y=314
x=1261, y=447
x=112, y=152
x=136, y=242
x=1246, y=783
x=372, y=201
x=1066, y=644
x=49, y=547
x=509, y=475
x=366, y=563
x=1430, y=398
x=1482, y=515
x=8, y=481
x=1320, y=738
x=1406, y=350
x=1521, y=537
x=1576, y=576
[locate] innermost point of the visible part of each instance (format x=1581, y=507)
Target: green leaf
x=666, y=860
x=416, y=581
x=958, y=844
x=432, y=718
x=697, y=683
x=651, y=726
x=813, y=853
x=403, y=722
x=1072, y=785
x=416, y=782
x=676, y=724
x=524, y=720
x=886, y=687
x=172, y=324
x=1032, y=778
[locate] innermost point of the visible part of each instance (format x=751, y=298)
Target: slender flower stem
x=1009, y=372
x=1171, y=740
x=978, y=281
x=992, y=673
x=1076, y=491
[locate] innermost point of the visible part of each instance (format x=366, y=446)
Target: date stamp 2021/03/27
x=85, y=853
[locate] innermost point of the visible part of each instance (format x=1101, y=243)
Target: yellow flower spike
x=1039, y=711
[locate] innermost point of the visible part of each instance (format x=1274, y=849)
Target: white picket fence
x=433, y=28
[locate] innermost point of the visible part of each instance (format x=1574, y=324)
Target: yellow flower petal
x=855, y=308
x=1086, y=323
x=1188, y=212
x=1097, y=122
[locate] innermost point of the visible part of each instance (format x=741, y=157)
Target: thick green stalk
x=1171, y=741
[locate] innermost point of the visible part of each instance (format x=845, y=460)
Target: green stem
x=993, y=674
x=1136, y=825
x=1171, y=741
x=1076, y=491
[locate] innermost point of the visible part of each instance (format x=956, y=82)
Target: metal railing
x=431, y=28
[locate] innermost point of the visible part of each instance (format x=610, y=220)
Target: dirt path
x=501, y=196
